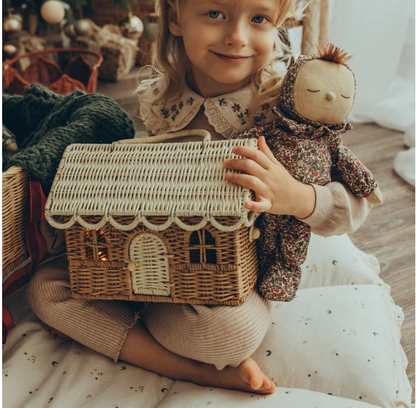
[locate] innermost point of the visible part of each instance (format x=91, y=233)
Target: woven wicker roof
x=164, y=179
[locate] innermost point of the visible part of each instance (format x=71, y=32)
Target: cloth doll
x=316, y=97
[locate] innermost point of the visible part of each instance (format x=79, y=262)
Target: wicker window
x=150, y=266
x=202, y=248
x=95, y=245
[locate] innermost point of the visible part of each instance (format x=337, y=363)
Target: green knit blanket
x=45, y=123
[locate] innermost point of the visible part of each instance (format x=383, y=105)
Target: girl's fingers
x=248, y=181
x=254, y=154
x=266, y=150
x=259, y=206
x=246, y=165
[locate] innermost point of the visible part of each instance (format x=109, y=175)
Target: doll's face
x=324, y=92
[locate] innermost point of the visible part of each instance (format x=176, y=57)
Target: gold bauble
x=83, y=27
x=69, y=30
x=52, y=11
x=9, y=49
x=12, y=24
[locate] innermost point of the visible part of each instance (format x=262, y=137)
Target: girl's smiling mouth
x=231, y=59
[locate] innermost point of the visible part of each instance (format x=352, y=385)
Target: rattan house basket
x=15, y=201
x=155, y=222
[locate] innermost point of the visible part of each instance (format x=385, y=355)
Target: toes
x=272, y=387
x=267, y=390
x=255, y=381
x=267, y=384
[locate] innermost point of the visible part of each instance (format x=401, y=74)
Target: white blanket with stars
x=337, y=345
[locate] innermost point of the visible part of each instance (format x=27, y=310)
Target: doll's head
x=319, y=88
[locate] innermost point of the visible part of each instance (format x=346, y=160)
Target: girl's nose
x=330, y=96
x=236, y=36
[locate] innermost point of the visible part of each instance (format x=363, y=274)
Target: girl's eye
x=346, y=97
x=215, y=14
x=260, y=19
x=310, y=90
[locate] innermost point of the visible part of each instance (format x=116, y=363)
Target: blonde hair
x=171, y=64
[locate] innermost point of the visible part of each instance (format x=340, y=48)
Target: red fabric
x=42, y=71
x=47, y=72
x=37, y=202
x=7, y=323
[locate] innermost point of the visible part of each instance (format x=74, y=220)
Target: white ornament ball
x=9, y=49
x=12, y=24
x=137, y=24
x=52, y=12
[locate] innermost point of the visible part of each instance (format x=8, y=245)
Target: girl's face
x=226, y=41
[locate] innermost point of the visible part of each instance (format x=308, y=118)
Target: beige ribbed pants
x=219, y=335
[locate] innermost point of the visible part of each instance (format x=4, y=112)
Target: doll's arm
x=355, y=175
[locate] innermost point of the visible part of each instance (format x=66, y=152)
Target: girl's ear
x=174, y=26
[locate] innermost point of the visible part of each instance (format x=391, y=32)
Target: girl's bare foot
x=142, y=350
x=246, y=377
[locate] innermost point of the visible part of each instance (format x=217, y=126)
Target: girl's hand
x=277, y=192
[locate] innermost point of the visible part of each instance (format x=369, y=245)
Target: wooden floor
x=388, y=232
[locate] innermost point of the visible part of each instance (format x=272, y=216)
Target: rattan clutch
x=155, y=222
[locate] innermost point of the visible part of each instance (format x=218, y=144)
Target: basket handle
x=7, y=63
x=167, y=136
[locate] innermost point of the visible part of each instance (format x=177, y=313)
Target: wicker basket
x=77, y=69
x=16, y=198
x=155, y=222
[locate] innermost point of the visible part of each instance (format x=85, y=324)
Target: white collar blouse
x=227, y=113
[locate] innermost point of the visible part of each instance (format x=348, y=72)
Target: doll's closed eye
x=310, y=90
x=346, y=97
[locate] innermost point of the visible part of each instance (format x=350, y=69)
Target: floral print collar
x=228, y=113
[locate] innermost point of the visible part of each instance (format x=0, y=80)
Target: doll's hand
x=277, y=192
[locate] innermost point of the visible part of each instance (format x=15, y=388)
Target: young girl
x=214, y=65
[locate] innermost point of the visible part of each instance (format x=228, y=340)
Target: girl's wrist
x=306, y=201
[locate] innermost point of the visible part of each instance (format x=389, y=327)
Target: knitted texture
x=46, y=123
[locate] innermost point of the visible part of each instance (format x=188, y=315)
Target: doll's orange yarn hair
x=333, y=54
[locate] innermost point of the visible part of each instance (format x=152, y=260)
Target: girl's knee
x=214, y=335
x=47, y=288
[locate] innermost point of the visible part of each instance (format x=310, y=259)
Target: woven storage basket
x=155, y=222
x=15, y=190
x=78, y=71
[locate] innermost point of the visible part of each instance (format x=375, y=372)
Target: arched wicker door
x=149, y=265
